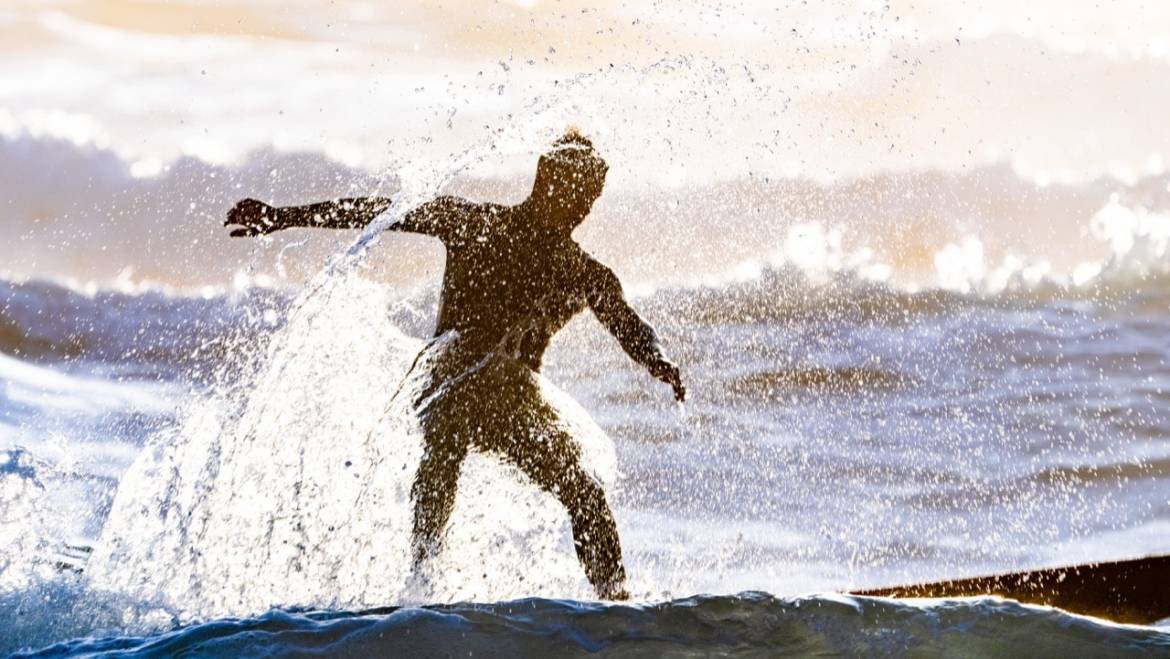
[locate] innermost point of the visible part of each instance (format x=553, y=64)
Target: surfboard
x=1135, y=591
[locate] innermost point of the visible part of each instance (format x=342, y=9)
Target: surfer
x=514, y=277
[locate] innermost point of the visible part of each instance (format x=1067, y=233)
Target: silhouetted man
x=514, y=277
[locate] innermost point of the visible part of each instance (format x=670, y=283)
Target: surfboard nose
x=1135, y=591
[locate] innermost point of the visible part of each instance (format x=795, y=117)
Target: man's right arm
x=442, y=218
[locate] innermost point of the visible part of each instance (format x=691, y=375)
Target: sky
x=105, y=107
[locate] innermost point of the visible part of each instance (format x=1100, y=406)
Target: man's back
x=509, y=286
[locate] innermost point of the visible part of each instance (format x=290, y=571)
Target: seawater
x=841, y=433
x=920, y=307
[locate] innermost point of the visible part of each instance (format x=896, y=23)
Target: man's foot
x=615, y=592
x=419, y=586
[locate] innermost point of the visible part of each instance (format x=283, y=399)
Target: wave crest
x=746, y=624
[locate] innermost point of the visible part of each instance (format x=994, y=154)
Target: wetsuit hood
x=569, y=178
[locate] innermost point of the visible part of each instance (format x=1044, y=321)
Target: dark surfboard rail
x=1135, y=591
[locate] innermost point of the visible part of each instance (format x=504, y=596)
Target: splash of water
x=293, y=487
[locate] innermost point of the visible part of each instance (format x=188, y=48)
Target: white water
x=293, y=488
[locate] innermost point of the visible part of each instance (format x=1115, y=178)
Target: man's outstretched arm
x=441, y=218
x=255, y=218
x=635, y=335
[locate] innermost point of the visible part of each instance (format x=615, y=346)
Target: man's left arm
x=635, y=335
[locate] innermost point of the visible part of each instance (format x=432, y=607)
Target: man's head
x=569, y=178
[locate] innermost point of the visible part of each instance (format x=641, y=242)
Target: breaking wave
x=927, y=231
x=750, y=624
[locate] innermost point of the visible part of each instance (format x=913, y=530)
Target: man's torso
x=509, y=288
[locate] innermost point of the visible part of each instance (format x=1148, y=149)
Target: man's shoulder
x=467, y=209
x=464, y=220
x=587, y=260
x=594, y=270
x=452, y=204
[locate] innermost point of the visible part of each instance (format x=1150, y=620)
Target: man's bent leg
x=554, y=465
x=595, y=534
x=433, y=493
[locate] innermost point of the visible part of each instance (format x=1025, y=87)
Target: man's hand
x=255, y=218
x=668, y=373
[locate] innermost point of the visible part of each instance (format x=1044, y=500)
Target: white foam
x=1138, y=240
x=301, y=495
x=50, y=389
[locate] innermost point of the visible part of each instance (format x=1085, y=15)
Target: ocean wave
x=150, y=333
x=111, y=224
x=913, y=231
x=49, y=391
x=769, y=385
x=749, y=624
x=784, y=292
x=165, y=332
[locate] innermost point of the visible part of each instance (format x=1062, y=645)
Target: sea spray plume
x=249, y=502
x=511, y=271
x=23, y=539
x=248, y=517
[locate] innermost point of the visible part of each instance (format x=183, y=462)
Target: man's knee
x=579, y=490
x=442, y=457
x=433, y=490
x=431, y=481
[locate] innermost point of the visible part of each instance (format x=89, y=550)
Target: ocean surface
x=177, y=466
